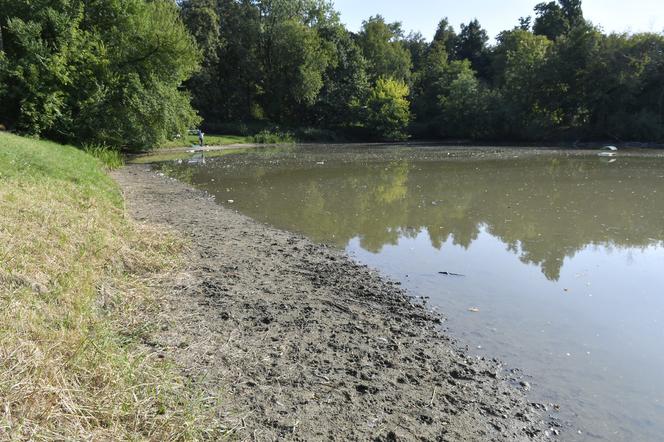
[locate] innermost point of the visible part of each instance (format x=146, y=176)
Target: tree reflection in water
x=544, y=208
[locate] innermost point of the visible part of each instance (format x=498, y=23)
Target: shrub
x=273, y=137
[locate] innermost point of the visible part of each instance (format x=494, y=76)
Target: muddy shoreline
x=300, y=343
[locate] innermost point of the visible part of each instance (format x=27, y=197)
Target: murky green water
x=561, y=256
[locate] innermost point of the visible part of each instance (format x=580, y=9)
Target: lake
x=552, y=262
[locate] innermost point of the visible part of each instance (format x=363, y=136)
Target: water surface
x=552, y=262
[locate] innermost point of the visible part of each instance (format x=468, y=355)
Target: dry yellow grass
x=75, y=303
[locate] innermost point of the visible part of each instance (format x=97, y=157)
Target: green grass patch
x=158, y=157
x=76, y=302
x=210, y=140
x=25, y=159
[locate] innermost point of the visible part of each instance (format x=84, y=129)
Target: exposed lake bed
x=304, y=344
x=549, y=260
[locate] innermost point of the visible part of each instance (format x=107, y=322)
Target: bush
x=273, y=137
x=320, y=135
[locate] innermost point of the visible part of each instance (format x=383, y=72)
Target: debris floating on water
x=449, y=274
x=608, y=151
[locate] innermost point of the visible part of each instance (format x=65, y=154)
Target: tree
x=519, y=60
x=383, y=48
x=445, y=36
x=229, y=84
x=550, y=20
x=463, y=103
x=296, y=61
x=294, y=56
x=96, y=71
x=429, y=87
x=555, y=19
x=388, y=111
x=525, y=23
x=150, y=55
x=345, y=84
x=39, y=42
x=203, y=22
x=566, y=85
x=417, y=47
x=270, y=58
x=471, y=45
x=573, y=12
x=627, y=97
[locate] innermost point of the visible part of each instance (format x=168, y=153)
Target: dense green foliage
x=95, y=71
x=119, y=73
x=552, y=77
x=387, y=109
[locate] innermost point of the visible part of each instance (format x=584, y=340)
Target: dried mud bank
x=303, y=344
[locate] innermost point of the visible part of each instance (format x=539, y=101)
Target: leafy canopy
x=96, y=71
x=388, y=109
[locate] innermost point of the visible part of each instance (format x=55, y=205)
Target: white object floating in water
x=608, y=151
x=231, y=201
x=474, y=310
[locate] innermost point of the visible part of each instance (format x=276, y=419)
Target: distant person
x=201, y=138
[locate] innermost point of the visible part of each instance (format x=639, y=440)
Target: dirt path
x=303, y=344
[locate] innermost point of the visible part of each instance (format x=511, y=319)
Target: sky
x=498, y=15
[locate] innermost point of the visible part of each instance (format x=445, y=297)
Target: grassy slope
x=73, y=306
